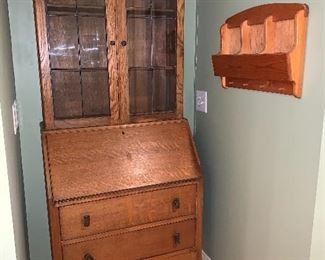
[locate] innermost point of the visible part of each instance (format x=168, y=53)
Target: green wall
x=260, y=152
x=28, y=95
x=12, y=217
x=189, y=60
x=317, y=251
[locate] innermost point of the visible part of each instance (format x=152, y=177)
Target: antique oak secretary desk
x=122, y=174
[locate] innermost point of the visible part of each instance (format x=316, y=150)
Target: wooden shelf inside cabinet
x=263, y=49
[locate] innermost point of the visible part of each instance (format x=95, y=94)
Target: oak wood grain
x=129, y=192
x=110, y=184
x=55, y=234
x=272, y=43
x=136, y=245
x=298, y=54
x=246, y=66
x=154, y=117
x=284, y=36
x=199, y=219
x=44, y=63
x=112, y=61
x=257, y=40
x=180, y=58
x=128, y=230
x=82, y=122
x=282, y=87
x=179, y=255
x=93, y=161
x=245, y=38
x=257, y=14
x=124, y=101
x=127, y=211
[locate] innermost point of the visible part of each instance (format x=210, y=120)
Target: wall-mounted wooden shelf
x=263, y=48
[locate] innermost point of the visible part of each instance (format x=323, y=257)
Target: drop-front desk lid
x=91, y=161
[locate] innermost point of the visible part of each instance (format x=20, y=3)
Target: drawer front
x=121, y=212
x=136, y=245
x=177, y=256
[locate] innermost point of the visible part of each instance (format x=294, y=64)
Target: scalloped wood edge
x=269, y=70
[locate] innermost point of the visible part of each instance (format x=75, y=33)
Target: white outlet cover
x=202, y=101
x=205, y=256
x=15, y=117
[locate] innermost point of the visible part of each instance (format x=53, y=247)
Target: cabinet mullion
x=123, y=77
x=44, y=63
x=112, y=60
x=180, y=58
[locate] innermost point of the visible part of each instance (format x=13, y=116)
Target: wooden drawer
x=136, y=245
x=177, y=256
x=127, y=211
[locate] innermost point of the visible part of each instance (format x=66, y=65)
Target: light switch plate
x=202, y=101
x=205, y=256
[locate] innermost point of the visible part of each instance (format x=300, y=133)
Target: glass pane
x=91, y=8
x=92, y=33
x=164, y=4
x=138, y=4
x=91, y=3
x=139, y=42
x=152, y=37
x=66, y=94
x=95, y=93
x=62, y=2
x=78, y=56
x=63, y=41
x=165, y=91
x=140, y=91
x=164, y=42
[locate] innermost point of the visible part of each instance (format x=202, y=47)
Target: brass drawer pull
x=177, y=239
x=176, y=203
x=88, y=257
x=86, y=220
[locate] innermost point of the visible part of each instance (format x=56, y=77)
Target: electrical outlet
x=202, y=101
x=15, y=120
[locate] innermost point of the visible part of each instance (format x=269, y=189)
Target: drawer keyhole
x=176, y=204
x=177, y=239
x=86, y=220
x=88, y=257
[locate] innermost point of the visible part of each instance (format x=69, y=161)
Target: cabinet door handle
x=176, y=203
x=124, y=43
x=177, y=239
x=88, y=257
x=86, y=220
x=112, y=43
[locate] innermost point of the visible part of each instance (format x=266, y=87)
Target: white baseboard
x=205, y=256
